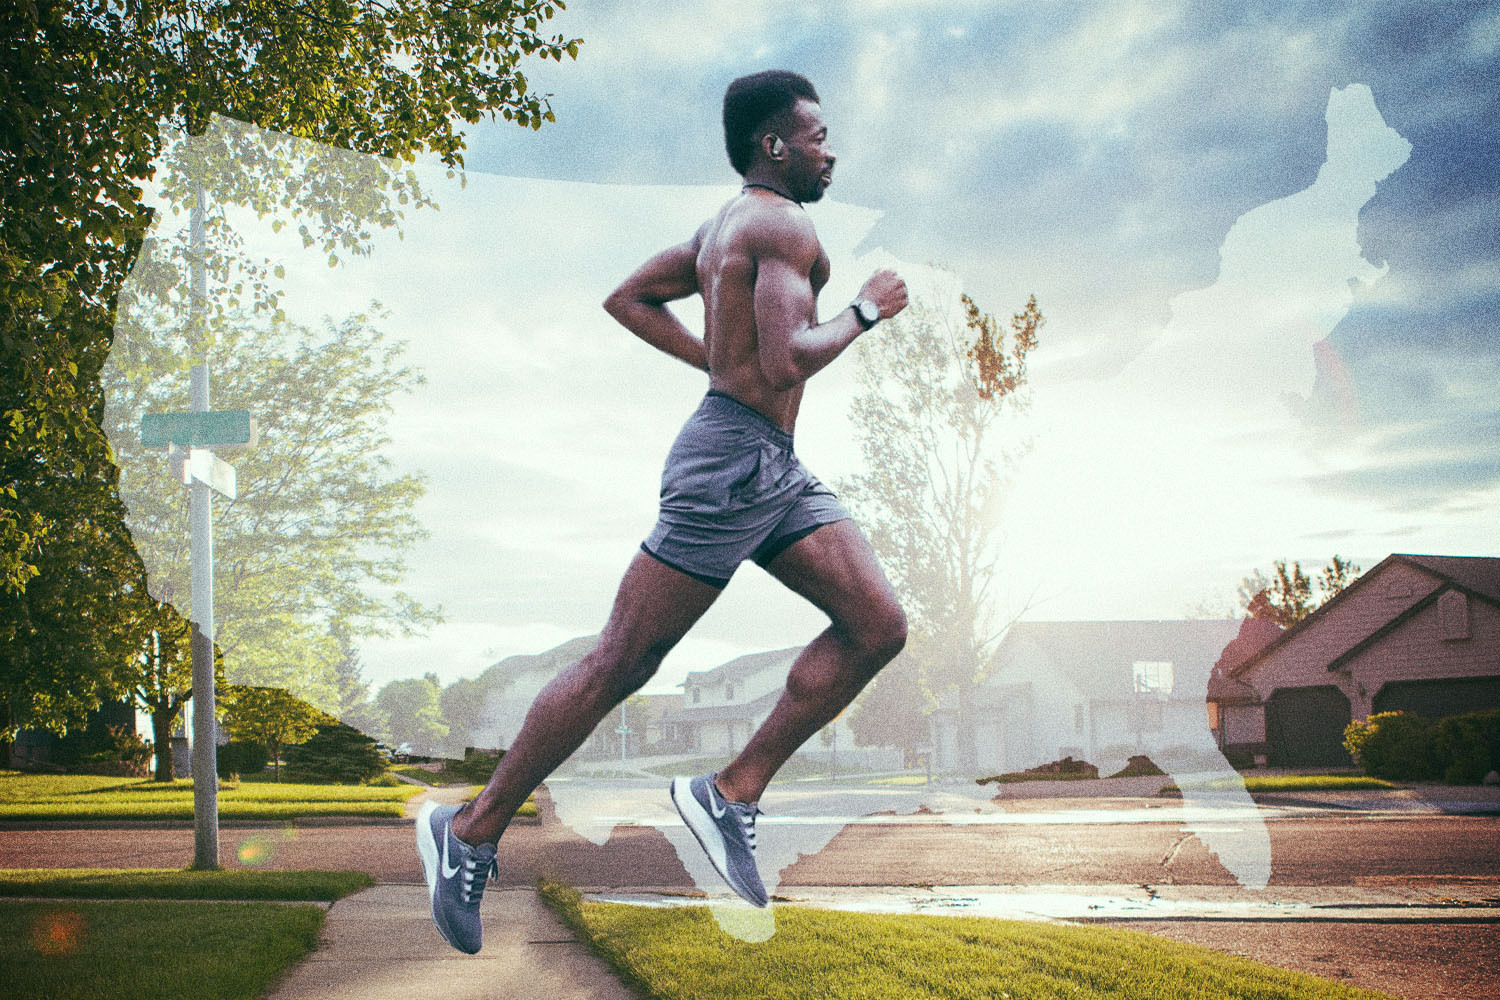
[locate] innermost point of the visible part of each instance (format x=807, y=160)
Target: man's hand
x=886, y=289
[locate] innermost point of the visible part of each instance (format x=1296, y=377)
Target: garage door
x=1305, y=727
x=1435, y=699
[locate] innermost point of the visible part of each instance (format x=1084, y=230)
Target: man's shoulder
x=776, y=230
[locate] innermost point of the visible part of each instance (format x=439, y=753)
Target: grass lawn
x=679, y=953
x=151, y=950
x=72, y=796
x=176, y=883
x=1295, y=783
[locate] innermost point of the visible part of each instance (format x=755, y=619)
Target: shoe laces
x=477, y=872
x=747, y=819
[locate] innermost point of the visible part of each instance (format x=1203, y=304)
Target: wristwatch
x=867, y=312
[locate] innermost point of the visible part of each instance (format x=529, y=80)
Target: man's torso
x=726, y=279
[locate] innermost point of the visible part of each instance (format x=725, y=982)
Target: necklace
x=766, y=187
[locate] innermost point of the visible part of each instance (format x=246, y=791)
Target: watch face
x=868, y=311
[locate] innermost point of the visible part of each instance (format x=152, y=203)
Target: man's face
x=809, y=157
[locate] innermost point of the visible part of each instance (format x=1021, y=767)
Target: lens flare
x=58, y=932
x=256, y=851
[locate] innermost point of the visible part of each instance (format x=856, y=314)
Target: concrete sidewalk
x=380, y=944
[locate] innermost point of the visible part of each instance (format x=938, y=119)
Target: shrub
x=476, y=767
x=1467, y=747
x=385, y=779
x=117, y=752
x=242, y=757
x=335, y=754
x=1394, y=745
x=1243, y=760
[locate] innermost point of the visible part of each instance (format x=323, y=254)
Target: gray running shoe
x=726, y=832
x=456, y=876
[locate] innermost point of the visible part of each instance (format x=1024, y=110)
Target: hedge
x=1403, y=746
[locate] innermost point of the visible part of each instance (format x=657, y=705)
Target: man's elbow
x=616, y=302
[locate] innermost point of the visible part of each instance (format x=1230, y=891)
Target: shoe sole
x=698, y=821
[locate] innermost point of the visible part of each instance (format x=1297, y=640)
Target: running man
x=732, y=490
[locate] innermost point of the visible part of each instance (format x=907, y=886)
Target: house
x=1100, y=691
x=513, y=684
x=723, y=706
x=1415, y=633
x=642, y=715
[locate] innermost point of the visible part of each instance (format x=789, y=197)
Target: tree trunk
x=162, y=718
x=275, y=747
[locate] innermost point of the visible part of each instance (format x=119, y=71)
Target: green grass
x=69, y=796
x=1293, y=783
x=679, y=953
x=151, y=950
x=175, y=883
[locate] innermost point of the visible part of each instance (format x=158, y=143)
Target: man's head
x=773, y=123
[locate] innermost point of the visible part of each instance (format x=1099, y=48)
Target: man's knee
x=622, y=666
x=880, y=635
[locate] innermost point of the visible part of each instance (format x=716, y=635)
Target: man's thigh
x=835, y=569
x=654, y=607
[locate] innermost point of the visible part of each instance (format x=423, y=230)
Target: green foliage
x=335, y=754
x=1394, y=745
x=414, y=713
x=110, y=750
x=239, y=757
x=1468, y=746
x=93, y=92
x=476, y=767
x=1288, y=596
x=270, y=716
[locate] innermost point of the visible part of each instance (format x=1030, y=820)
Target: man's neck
x=771, y=184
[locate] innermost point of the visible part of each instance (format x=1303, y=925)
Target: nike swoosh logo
x=448, y=872
x=713, y=804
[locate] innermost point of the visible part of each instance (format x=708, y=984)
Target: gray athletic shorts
x=733, y=490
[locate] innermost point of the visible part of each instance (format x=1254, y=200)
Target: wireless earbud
x=777, y=145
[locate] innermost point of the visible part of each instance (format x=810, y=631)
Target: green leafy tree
x=414, y=713
x=93, y=91
x=270, y=716
x=1288, y=595
x=933, y=390
x=462, y=704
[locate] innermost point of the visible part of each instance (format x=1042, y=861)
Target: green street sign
x=213, y=427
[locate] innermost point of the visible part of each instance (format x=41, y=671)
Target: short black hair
x=753, y=99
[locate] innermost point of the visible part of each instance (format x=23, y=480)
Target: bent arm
x=793, y=345
x=640, y=303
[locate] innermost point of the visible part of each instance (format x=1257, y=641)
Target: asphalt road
x=1447, y=857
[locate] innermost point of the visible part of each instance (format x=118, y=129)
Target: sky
x=1264, y=237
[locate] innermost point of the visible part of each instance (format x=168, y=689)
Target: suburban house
x=643, y=714
x=1100, y=691
x=1415, y=633
x=514, y=682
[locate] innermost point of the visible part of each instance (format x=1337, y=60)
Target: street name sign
x=211, y=428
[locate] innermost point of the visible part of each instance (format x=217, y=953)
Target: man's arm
x=793, y=345
x=640, y=303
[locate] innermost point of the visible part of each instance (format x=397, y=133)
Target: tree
x=270, y=716
x=335, y=754
x=933, y=390
x=462, y=704
x=309, y=552
x=92, y=90
x=414, y=713
x=1288, y=596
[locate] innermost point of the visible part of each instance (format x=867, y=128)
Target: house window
x=697, y=695
x=1078, y=718
x=1152, y=677
x=1453, y=615
x=729, y=692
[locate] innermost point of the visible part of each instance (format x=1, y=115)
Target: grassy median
x=137, y=945
x=679, y=953
x=74, y=796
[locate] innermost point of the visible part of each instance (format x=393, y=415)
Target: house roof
x=551, y=660
x=744, y=712
x=1476, y=575
x=1096, y=656
x=743, y=666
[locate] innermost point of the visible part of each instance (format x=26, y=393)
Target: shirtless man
x=732, y=490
